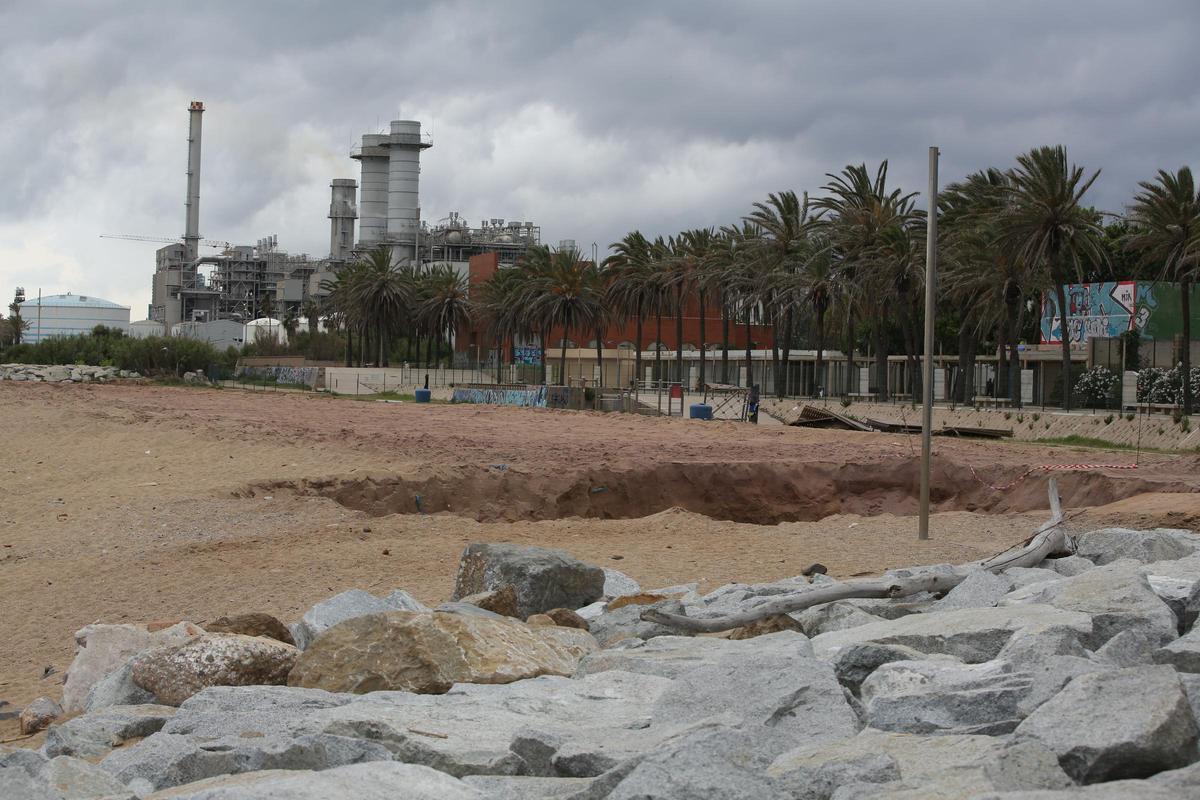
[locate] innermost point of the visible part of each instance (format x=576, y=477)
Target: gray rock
x=626, y=622
x=1117, y=597
x=76, y=779
x=1068, y=566
x=348, y=605
x=456, y=607
x=378, y=780
x=21, y=758
x=895, y=609
x=1127, y=723
x=672, y=656
x=972, y=635
x=903, y=763
x=711, y=762
x=833, y=617
x=618, y=584
x=980, y=589
x=169, y=759
x=592, y=610
x=1191, y=687
x=117, y=689
x=1028, y=576
x=1183, y=653
x=20, y=785
x=250, y=711
x=1130, y=648
x=543, y=578
x=1179, y=594
x=1161, y=544
x=471, y=729
x=797, y=698
x=853, y=664
x=96, y=733
x=1034, y=646
x=518, y=787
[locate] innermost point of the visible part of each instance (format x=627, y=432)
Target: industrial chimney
x=342, y=212
x=191, y=236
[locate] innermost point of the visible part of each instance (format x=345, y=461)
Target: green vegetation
x=153, y=356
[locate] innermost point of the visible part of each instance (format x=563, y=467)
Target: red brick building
x=475, y=343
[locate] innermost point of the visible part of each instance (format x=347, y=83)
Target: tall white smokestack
x=191, y=235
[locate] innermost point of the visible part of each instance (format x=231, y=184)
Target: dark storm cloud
x=589, y=118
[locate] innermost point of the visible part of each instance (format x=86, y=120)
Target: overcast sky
x=591, y=119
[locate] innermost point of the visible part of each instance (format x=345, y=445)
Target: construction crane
x=165, y=240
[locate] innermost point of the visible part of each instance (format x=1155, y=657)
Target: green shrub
x=1108, y=419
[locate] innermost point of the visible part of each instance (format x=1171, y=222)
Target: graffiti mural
x=300, y=376
x=1094, y=309
x=533, y=396
x=527, y=355
x=1111, y=309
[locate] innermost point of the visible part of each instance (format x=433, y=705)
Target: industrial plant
x=199, y=295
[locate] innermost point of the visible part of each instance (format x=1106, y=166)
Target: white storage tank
x=70, y=314
x=265, y=329
x=145, y=328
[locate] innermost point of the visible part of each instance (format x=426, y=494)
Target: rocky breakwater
x=1012, y=679
x=64, y=373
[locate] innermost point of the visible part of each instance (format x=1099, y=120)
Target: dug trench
x=763, y=493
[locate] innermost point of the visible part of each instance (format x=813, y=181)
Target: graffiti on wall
x=1111, y=309
x=303, y=376
x=534, y=396
x=1094, y=309
x=527, y=355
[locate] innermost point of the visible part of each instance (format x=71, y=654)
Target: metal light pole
x=927, y=384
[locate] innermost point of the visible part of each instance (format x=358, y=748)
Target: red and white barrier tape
x=1046, y=468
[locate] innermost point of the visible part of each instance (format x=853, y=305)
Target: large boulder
x=176, y=672
x=617, y=583
x=430, y=652
x=1112, y=544
x=95, y=734
x=883, y=761
x=17, y=783
x=833, y=617
x=1117, y=597
x=38, y=715
x=21, y=758
x=377, y=780
x=1183, y=653
x=1127, y=723
x=543, y=578
x=102, y=649
x=117, y=689
x=972, y=635
x=348, y=605
x=855, y=663
x=626, y=623
x=672, y=656
x=980, y=589
x=251, y=624
x=502, y=601
x=76, y=779
x=170, y=759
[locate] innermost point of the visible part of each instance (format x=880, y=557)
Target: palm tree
x=568, y=293
x=692, y=252
x=384, y=296
x=498, y=302
x=1165, y=230
x=1051, y=231
x=631, y=291
x=446, y=307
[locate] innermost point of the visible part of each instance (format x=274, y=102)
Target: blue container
x=422, y=395
x=700, y=411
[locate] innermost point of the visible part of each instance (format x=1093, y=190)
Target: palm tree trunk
x=429, y=350
x=702, y=350
x=349, y=347
x=562, y=354
x=1002, y=373
x=775, y=384
x=637, y=353
x=599, y=359
x=1185, y=306
x=1061, y=291
x=679, y=335
x=543, y=337
x=819, y=371
x=881, y=362
x=749, y=362
x=724, y=340
x=383, y=348
x=658, y=344
x=789, y=320
x=849, y=353
x=966, y=349
x=1014, y=361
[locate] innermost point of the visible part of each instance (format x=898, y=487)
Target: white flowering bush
x=1097, y=385
x=1159, y=385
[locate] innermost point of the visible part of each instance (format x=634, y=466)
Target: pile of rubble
x=63, y=373
x=1075, y=677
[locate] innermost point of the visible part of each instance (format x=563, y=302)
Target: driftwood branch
x=1048, y=540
